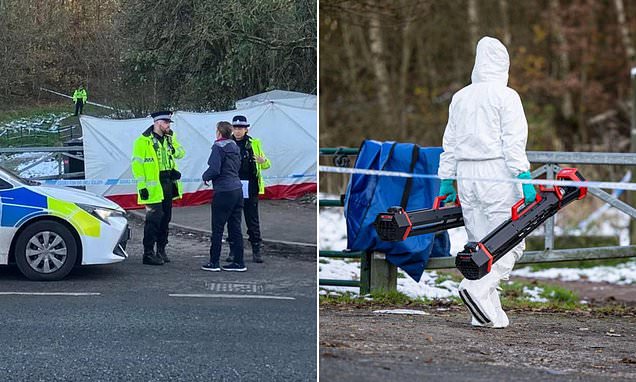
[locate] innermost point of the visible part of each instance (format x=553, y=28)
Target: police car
x=46, y=231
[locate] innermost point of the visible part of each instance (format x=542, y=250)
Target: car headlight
x=101, y=213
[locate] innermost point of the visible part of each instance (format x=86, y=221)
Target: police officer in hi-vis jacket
x=155, y=170
x=253, y=162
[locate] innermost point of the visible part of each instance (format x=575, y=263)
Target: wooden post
x=383, y=274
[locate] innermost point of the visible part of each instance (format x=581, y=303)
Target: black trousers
x=158, y=216
x=79, y=106
x=250, y=211
x=226, y=209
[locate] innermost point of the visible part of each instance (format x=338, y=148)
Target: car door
x=4, y=187
x=6, y=233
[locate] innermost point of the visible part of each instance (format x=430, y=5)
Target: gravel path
x=359, y=345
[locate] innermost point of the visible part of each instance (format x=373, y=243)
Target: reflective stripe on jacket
x=146, y=164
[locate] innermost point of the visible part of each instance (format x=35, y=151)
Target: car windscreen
x=9, y=175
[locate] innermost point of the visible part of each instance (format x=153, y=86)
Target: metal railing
x=373, y=264
x=60, y=154
x=28, y=135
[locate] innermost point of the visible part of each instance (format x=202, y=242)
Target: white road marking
x=48, y=294
x=232, y=296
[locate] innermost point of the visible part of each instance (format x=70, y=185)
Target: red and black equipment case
x=476, y=260
x=397, y=224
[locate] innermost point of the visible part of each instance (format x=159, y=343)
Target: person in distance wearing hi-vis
x=79, y=99
x=486, y=138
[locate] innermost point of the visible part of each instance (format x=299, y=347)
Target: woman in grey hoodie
x=227, y=202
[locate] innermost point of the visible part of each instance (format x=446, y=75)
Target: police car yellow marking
x=85, y=223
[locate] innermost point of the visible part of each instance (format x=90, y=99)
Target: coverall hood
x=491, y=62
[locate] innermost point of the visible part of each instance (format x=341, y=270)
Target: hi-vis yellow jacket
x=258, y=151
x=149, y=158
x=80, y=94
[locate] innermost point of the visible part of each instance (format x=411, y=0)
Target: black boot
x=161, y=253
x=256, y=253
x=150, y=258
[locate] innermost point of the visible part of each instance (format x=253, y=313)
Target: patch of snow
x=534, y=294
x=333, y=229
x=25, y=156
x=621, y=274
x=49, y=167
x=428, y=286
x=18, y=163
x=339, y=269
x=609, y=222
x=46, y=123
x=49, y=123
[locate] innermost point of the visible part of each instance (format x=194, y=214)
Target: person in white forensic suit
x=485, y=138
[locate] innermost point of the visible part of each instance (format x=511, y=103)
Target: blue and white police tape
x=546, y=182
x=120, y=182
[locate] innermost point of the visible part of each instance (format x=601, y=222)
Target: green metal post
x=630, y=194
x=330, y=203
x=345, y=283
x=341, y=254
x=365, y=273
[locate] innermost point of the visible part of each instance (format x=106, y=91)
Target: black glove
x=175, y=175
x=143, y=194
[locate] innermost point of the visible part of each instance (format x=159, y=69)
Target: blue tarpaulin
x=368, y=195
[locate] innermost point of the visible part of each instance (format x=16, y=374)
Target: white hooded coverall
x=485, y=138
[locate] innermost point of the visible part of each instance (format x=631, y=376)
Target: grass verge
x=18, y=112
x=513, y=296
x=43, y=117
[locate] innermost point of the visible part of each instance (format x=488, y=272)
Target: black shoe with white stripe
x=211, y=267
x=234, y=267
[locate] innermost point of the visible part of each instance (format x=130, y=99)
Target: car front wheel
x=46, y=251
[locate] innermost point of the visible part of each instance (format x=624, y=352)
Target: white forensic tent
x=288, y=134
x=281, y=97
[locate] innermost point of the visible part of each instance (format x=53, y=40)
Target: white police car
x=46, y=231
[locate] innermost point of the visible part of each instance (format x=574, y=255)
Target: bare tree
x=563, y=68
x=473, y=21
x=505, y=22
x=624, y=30
x=378, y=61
